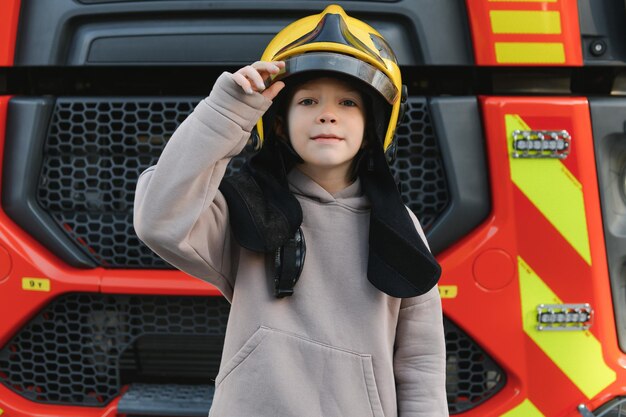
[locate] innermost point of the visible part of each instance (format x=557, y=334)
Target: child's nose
x=327, y=117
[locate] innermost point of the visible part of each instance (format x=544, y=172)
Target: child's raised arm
x=179, y=212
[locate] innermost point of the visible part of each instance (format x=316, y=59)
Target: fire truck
x=512, y=154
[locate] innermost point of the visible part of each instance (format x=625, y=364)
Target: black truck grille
x=419, y=166
x=82, y=348
x=472, y=377
x=97, y=147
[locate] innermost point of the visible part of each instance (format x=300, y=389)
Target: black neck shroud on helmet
x=264, y=214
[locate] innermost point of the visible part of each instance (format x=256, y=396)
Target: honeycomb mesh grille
x=419, y=165
x=472, y=377
x=96, y=148
x=72, y=351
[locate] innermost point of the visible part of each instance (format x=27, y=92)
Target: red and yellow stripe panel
x=546, y=218
x=559, y=249
x=525, y=32
x=530, y=175
x=578, y=354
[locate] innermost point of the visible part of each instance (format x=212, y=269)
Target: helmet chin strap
x=265, y=216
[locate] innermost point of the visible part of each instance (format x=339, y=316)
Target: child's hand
x=252, y=78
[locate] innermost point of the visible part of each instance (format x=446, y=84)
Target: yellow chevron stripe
x=525, y=21
x=530, y=52
x=577, y=353
x=525, y=409
x=554, y=190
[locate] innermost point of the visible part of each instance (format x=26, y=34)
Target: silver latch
x=564, y=317
x=541, y=144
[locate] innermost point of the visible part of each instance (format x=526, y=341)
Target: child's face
x=326, y=119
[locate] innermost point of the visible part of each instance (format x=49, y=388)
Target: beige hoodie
x=338, y=347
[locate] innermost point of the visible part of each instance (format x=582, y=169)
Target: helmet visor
x=343, y=64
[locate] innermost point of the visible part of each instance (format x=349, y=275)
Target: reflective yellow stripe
x=530, y=52
x=554, y=190
x=525, y=21
x=525, y=409
x=577, y=353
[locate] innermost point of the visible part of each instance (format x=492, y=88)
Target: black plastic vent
x=97, y=147
x=93, y=155
x=472, y=377
x=76, y=350
x=82, y=348
x=419, y=165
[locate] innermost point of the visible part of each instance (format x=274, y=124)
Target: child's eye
x=349, y=103
x=306, y=101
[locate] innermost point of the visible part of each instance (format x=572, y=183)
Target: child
x=361, y=333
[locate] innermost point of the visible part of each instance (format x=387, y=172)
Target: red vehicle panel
x=521, y=232
x=9, y=15
x=525, y=32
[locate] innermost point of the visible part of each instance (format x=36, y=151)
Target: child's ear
x=280, y=127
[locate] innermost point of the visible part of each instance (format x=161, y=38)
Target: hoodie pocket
x=278, y=373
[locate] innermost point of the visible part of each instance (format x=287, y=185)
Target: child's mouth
x=326, y=138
